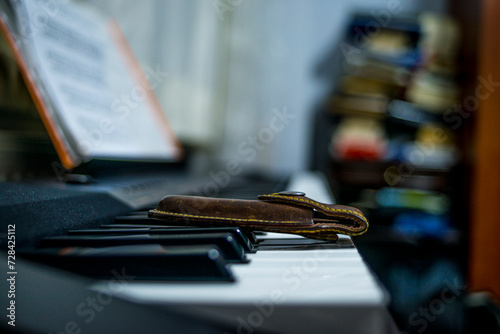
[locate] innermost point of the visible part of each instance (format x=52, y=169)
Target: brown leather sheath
x=284, y=212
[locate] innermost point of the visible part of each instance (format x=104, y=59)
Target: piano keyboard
x=248, y=283
x=286, y=291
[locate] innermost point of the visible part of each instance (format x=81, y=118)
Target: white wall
x=235, y=64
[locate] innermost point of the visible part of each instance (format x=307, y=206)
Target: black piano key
x=141, y=219
x=111, y=231
x=230, y=248
x=237, y=234
x=113, y=226
x=139, y=262
x=135, y=219
x=302, y=244
x=141, y=212
x=250, y=235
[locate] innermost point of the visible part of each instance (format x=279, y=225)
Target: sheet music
x=107, y=110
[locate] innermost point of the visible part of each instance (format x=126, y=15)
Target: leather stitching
x=345, y=230
x=315, y=204
x=218, y=218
